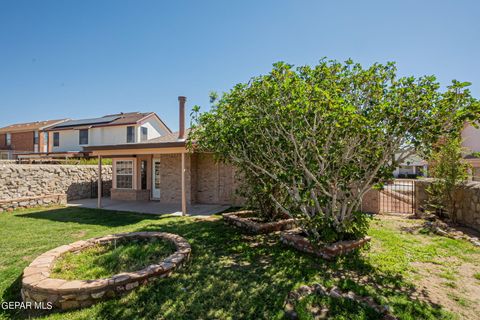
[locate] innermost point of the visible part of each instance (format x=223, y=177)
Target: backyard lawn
x=233, y=276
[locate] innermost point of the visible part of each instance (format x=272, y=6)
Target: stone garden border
x=295, y=239
x=37, y=286
x=334, y=292
x=237, y=219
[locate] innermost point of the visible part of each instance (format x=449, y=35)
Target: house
x=163, y=169
x=24, y=138
x=121, y=128
x=411, y=167
x=471, y=145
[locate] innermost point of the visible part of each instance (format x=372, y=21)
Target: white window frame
x=133, y=174
x=133, y=134
x=58, y=140
x=8, y=139
x=80, y=137
x=143, y=136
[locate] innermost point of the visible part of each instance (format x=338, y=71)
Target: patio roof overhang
x=138, y=148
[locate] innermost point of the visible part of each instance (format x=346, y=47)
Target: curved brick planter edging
x=37, y=286
x=334, y=292
x=239, y=220
x=295, y=239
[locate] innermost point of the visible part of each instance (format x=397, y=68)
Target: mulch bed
x=296, y=239
x=250, y=223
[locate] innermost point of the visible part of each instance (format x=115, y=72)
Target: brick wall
x=171, y=178
x=216, y=182
x=206, y=182
x=371, y=201
x=3, y=141
x=22, y=141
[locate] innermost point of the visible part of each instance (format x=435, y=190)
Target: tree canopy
x=321, y=136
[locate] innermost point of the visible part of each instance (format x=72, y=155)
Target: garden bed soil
x=248, y=221
x=298, y=240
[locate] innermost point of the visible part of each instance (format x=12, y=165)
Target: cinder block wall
x=18, y=181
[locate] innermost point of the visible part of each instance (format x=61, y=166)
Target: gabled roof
x=171, y=137
x=31, y=126
x=166, y=141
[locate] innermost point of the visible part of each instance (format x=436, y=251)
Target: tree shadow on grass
x=101, y=217
x=232, y=275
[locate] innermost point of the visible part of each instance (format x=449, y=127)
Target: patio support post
x=184, y=197
x=99, y=189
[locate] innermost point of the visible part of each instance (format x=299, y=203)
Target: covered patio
x=150, y=207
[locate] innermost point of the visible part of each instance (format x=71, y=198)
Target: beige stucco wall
x=471, y=139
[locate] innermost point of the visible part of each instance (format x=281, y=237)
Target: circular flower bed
x=332, y=303
x=37, y=286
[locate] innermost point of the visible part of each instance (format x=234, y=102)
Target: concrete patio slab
x=150, y=207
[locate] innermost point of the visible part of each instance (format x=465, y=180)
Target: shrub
x=324, y=135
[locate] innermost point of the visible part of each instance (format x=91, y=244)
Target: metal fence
x=398, y=196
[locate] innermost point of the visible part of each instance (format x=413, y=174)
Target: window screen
x=83, y=136
x=124, y=174
x=130, y=134
x=56, y=139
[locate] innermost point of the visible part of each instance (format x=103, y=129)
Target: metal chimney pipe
x=181, y=114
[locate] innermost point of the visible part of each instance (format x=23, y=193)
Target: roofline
x=54, y=124
x=91, y=126
x=159, y=119
x=5, y=130
x=136, y=146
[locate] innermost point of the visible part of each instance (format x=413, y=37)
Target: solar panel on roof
x=82, y=122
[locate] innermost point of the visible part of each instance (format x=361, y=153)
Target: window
x=56, y=139
x=144, y=136
x=83, y=136
x=8, y=139
x=143, y=174
x=35, y=141
x=45, y=142
x=130, y=134
x=124, y=174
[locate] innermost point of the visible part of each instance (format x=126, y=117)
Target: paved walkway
x=150, y=207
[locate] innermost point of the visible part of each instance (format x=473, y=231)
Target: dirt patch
x=79, y=234
x=457, y=291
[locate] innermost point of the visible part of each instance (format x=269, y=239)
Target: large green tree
x=322, y=136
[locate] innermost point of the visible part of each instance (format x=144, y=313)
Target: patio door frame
x=155, y=191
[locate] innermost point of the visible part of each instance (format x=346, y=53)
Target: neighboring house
x=411, y=167
x=471, y=144
x=25, y=138
x=123, y=128
x=163, y=169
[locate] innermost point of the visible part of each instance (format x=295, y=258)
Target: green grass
x=104, y=261
x=338, y=308
x=230, y=275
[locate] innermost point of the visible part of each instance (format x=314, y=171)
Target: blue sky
x=81, y=59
